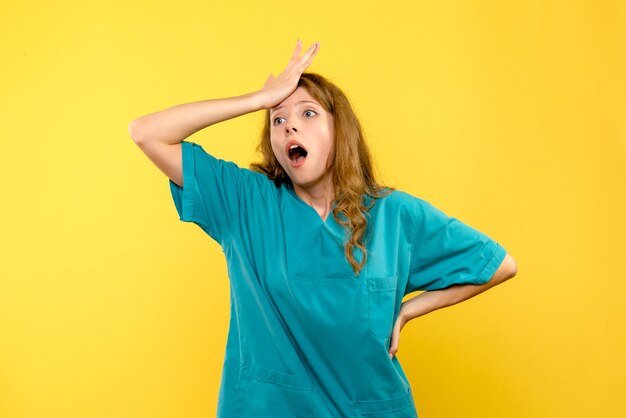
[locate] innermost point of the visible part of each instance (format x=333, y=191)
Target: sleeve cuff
x=184, y=196
x=492, y=266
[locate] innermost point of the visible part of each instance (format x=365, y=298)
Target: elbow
x=133, y=131
x=510, y=266
x=507, y=270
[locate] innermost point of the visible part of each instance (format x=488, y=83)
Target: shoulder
x=404, y=202
x=415, y=209
x=405, y=208
x=208, y=160
x=228, y=169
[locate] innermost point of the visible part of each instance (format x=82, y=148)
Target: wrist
x=257, y=99
x=403, y=316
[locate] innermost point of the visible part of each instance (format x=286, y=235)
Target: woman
x=319, y=255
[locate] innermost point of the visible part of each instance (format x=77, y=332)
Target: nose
x=290, y=126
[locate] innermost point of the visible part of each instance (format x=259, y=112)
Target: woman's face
x=301, y=120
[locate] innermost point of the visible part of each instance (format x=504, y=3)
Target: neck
x=319, y=196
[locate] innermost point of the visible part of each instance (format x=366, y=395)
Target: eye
x=308, y=110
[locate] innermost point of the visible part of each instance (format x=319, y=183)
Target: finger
x=392, y=346
x=395, y=340
x=268, y=80
x=393, y=349
x=307, y=58
x=296, y=51
x=311, y=51
x=295, y=57
x=305, y=63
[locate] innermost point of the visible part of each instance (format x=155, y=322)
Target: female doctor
x=319, y=255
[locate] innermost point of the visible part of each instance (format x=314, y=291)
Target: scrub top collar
x=310, y=209
x=314, y=219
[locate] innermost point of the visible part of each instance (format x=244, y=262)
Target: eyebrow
x=301, y=101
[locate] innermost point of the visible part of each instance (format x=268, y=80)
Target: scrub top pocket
x=381, y=303
x=272, y=393
x=399, y=407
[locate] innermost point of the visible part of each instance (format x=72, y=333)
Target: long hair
x=350, y=160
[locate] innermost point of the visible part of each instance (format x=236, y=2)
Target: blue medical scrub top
x=308, y=338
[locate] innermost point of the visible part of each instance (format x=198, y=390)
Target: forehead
x=298, y=95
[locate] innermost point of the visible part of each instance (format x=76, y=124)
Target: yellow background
x=507, y=115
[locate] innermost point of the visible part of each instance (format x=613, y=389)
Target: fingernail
x=298, y=41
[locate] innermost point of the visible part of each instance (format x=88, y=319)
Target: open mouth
x=297, y=154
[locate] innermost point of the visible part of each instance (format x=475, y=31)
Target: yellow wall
x=507, y=115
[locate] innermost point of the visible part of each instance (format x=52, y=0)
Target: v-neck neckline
x=326, y=222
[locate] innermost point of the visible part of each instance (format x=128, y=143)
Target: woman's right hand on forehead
x=278, y=89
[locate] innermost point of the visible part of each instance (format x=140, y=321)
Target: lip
x=290, y=143
x=296, y=165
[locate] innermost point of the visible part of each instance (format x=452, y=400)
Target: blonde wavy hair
x=350, y=160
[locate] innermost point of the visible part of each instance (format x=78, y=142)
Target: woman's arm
x=432, y=300
x=172, y=125
x=435, y=299
x=159, y=134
